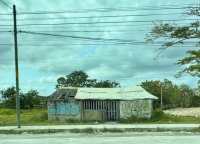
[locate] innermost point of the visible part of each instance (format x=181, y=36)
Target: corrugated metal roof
x=63, y=93
x=114, y=93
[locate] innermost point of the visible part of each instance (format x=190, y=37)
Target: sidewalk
x=126, y=127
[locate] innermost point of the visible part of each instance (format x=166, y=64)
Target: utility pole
x=16, y=68
x=161, y=98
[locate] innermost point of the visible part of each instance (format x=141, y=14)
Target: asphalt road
x=104, y=138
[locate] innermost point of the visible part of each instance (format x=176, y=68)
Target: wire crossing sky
x=105, y=39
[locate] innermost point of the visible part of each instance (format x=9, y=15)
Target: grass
x=166, y=119
x=91, y=130
x=40, y=117
x=159, y=117
x=46, y=131
x=35, y=117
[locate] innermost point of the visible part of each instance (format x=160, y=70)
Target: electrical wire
x=170, y=7
x=104, y=22
x=102, y=10
x=78, y=37
x=88, y=17
x=6, y=4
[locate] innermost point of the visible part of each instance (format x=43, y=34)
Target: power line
x=4, y=31
x=170, y=7
x=102, y=10
x=6, y=4
x=83, y=38
x=92, y=26
x=115, y=16
x=104, y=22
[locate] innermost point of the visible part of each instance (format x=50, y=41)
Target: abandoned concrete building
x=99, y=104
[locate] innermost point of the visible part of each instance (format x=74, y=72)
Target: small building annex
x=99, y=104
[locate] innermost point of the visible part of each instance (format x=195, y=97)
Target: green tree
x=75, y=79
x=194, y=64
x=180, y=34
x=8, y=93
x=173, y=95
x=106, y=84
x=194, y=101
x=166, y=88
x=81, y=79
x=27, y=100
x=186, y=93
x=153, y=87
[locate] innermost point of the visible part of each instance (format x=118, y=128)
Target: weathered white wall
x=140, y=108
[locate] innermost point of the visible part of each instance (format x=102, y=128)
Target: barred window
x=93, y=105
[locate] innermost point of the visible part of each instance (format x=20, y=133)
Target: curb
x=124, y=127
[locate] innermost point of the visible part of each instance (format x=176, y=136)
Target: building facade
x=99, y=104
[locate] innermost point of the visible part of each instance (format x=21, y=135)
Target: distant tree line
x=172, y=95
x=28, y=100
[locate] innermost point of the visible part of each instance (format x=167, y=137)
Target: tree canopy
x=28, y=100
x=81, y=79
x=172, y=95
x=180, y=34
x=8, y=93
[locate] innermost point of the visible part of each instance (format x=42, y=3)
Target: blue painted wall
x=64, y=108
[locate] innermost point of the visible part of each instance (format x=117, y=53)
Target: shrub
x=72, y=120
x=194, y=101
x=43, y=116
x=88, y=130
x=75, y=130
x=7, y=112
x=158, y=113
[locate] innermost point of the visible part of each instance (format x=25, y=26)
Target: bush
x=88, y=130
x=133, y=119
x=34, y=116
x=43, y=116
x=194, y=101
x=7, y=112
x=72, y=120
x=158, y=113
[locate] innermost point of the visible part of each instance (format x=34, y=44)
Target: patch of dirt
x=195, y=111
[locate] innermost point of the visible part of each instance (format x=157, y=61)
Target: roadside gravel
x=195, y=111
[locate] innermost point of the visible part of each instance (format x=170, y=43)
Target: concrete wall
x=140, y=108
x=63, y=110
x=93, y=115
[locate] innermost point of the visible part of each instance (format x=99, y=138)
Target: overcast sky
x=104, y=38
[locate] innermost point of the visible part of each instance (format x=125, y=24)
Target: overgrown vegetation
x=159, y=117
x=173, y=96
x=30, y=118
x=40, y=117
x=91, y=130
x=45, y=131
x=28, y=100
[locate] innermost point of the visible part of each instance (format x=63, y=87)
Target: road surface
x=103, y=138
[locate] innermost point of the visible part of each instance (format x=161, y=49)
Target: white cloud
x=50, y=79
x=42, y=58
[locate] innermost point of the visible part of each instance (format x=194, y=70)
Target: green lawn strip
x=93, y=131
x=39, y=117
x=45, y=131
